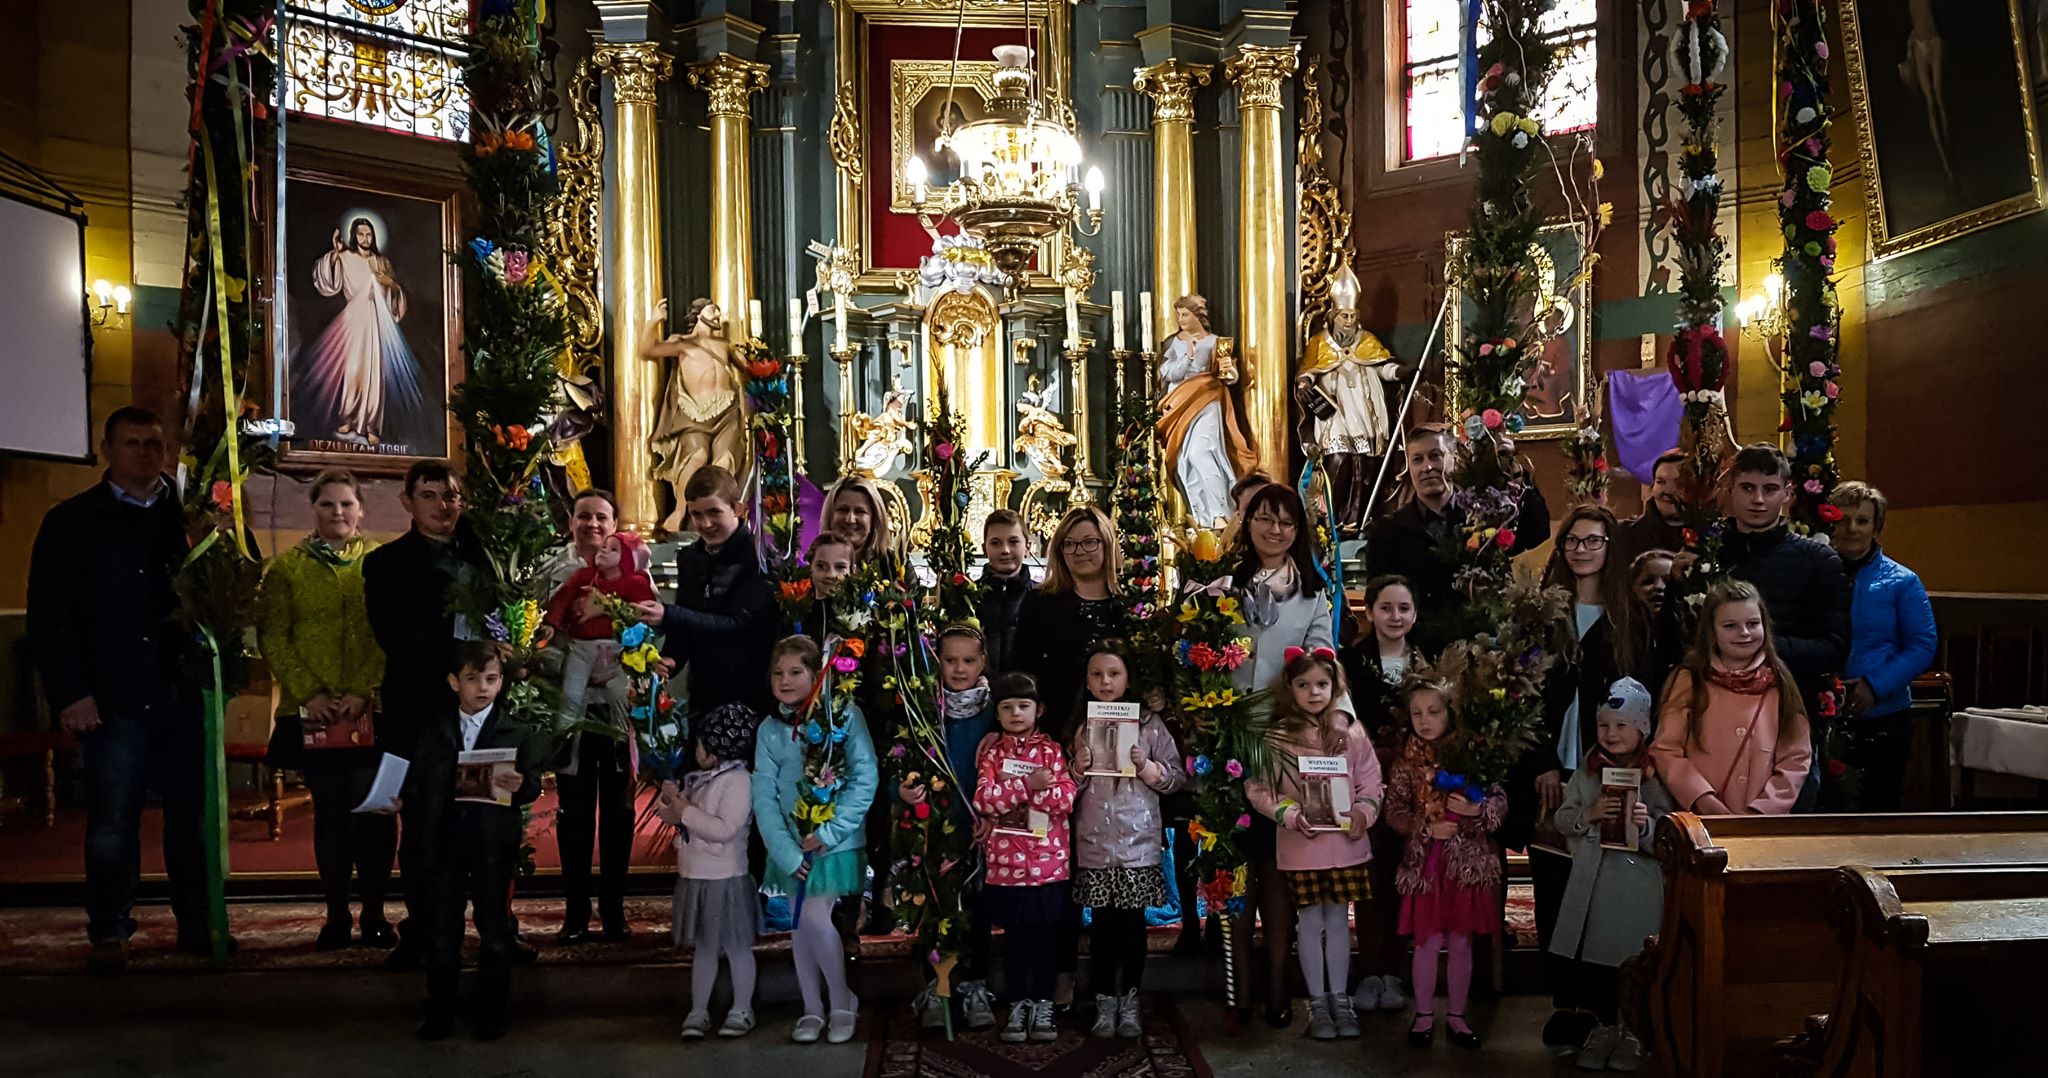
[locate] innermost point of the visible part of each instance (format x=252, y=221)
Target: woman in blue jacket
x=1891, y=641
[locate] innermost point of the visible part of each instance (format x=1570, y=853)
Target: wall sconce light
x=109, y=303
x=1763, y=315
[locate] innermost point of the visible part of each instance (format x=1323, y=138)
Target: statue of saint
x=1340, y=386
x=1041, y=435
x=882, y=440
x=1205, y=450
x=700, y=419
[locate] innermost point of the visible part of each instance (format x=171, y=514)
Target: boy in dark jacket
x=471, y=827
x=723, y=620
x=1004, y=584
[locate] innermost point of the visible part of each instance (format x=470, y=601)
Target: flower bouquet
x=1136, y=500
x=658, y=749
x=1586, y=466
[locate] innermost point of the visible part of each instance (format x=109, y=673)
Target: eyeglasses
x=1081, y=546
x=1583, y=542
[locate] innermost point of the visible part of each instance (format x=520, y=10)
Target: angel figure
x=1041, y=435
x=882, y=440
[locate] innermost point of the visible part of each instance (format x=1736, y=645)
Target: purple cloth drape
x=1644, y=409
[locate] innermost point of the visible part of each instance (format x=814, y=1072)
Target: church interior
x=981, y=257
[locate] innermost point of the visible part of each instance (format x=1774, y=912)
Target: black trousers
x=597, y=798
x=1593, y=987
x=1549, y=873
x=1028, y=961
x=124, y=759
x=480, y=879
x=1882, y=747
x=1116, y=945
x=346, y=841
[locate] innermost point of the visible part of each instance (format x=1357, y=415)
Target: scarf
x=1755, y=681
x=1599, y=758
x=330, y=555
x=965, y=704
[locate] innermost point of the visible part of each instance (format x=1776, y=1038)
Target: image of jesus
x=360, y=365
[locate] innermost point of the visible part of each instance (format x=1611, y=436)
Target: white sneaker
x=1042, y=1028
x=1628, y=1053
x=1599, y=1048
x=1018, y=1028
x=1392, y=996
x=930, y=1009
x=840, y=1029
x=1105, y=1017
x=696, y=1024
x=976, y=1006
x=738, y=1023
x=808, y=1028
x=1369, y=994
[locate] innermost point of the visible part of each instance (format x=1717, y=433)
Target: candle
x=1145, y=319
x=796, y=326
x=839, y=317
x=754, y=318
x=1073, y=320
x=1116, y=320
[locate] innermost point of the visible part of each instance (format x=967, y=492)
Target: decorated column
x=1811, y=383
x=636, y=68
x=730, y=82
x=1171, y=85
x=1264, y=264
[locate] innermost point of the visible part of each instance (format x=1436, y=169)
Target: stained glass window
x=1432, y=99
x=395, y=64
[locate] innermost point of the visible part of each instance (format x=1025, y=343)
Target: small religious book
x=474, y=771
x=1320, y=404
x=1325, y=792
x=1022, y=820
x=356, y=733
x=1624, y=784
x=1112, y=734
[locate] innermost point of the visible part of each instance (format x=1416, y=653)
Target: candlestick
x=754, y=319
x=839, y=316
x=796, y=405
x=1116, y=320
x=1073, y=320
x=796, y=326
x=1077, y=358
x=847, y=408
x=1145, y=320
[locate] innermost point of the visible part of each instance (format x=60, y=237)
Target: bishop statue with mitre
x=1341, y=386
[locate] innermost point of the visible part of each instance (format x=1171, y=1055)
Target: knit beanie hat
x=634, y=556
x=1628, y=699
x=728, y=732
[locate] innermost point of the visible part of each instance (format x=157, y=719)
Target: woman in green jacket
x=311, y=627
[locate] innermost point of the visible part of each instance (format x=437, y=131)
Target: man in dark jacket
x=1658, y=526
x=1004, y=584
x=722, y=623
x=1413, y=541
x=1801, y=580
x=406, y=585
x=101, y=627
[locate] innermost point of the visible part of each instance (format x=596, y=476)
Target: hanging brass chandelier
x=1019, y=164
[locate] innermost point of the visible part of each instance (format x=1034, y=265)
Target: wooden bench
x=1940, y=975
x=1744, y=954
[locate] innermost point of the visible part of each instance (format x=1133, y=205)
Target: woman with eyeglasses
x=1616, y=633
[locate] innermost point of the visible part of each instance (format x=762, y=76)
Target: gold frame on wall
x=1884, y=244
x=909, y=82
x=1579, y=296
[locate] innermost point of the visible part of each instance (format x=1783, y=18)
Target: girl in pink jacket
x=1732, y=735
x=1322, y=845
x=1023, y=789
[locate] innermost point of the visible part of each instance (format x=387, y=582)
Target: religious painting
x=372, y=315
x=1945, y=117
x=926, y=99
x=1558, y=385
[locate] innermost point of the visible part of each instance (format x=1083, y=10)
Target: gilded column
x=1263, y=237
x=635, y=68
x=729, y=82
x=1172, y=85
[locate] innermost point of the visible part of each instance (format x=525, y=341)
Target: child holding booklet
x=1616, y=894
x=1124, y=758
x=1023, y=786
x=1323, y=791
x=715, y=910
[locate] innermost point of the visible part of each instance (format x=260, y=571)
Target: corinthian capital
x=1172, y=85
x=1260, y=71
x=636, y=68
x=729, y=81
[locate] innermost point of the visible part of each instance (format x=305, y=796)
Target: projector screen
x=45, y=338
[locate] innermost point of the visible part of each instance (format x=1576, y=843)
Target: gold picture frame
x=920, y=92
x=1557, y=250
x=1924, y=183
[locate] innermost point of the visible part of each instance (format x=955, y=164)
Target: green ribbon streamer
x=216, y=806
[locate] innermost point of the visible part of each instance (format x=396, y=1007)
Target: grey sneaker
x=1127, y=1023
x=1018, y=1028
x=1628, y=1052
x=1342, y=1014
x=1105, y=1017
x=1368, y=994
x=1599, y=1048
x=1392, y=996
x=931, y=1010
x=976, y=1006
x=738, y=1023
x=1042, y=1028
x=696, y=1024
x=1320, y=1025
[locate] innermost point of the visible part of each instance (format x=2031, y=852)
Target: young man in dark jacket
x=101, y=628
x=1004, y=584
x=723, y=620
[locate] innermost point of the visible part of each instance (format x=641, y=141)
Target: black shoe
x=881, y=921
x=1466, y=1039
x=1567, y=1030
x=109, y=955
x=334, y=935
x=1421, y=1038
x=573, y=934
x=438, y=1025
x=617, y=932
x=200, y=942
x=378, y=933
x=408, y=956
x=523, y=955
x=487, y=1027
x=1280, y=1017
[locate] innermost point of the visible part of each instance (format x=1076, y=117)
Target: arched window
x=394, y=64
x=1432, y=99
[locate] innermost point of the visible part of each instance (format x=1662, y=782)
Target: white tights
x=1323, y=938
x=704, y=976
x=819, y=957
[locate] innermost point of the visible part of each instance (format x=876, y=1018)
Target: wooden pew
x=1940, y=975
x=1744, y=954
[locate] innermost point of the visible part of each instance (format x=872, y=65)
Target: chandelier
x=1018, y=165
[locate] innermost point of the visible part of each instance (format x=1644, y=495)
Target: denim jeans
x=124, y=759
